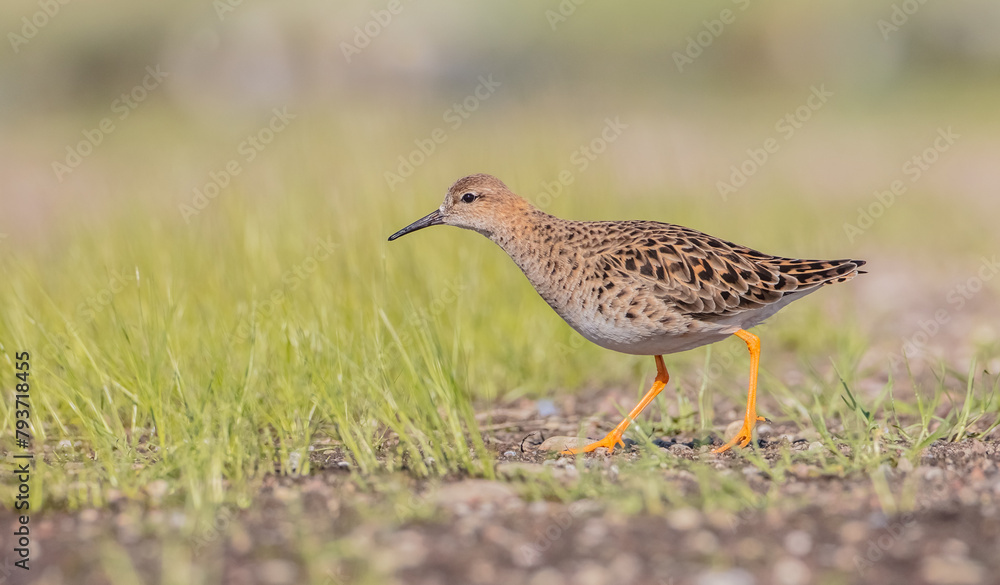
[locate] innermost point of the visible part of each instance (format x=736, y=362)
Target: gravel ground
x=831, y=530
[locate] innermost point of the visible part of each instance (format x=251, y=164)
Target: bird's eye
x=469, y=197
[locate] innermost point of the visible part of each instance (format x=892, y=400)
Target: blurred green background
x=196, y=198
x=694, y=90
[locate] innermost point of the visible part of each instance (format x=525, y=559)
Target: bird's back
x=646, y=287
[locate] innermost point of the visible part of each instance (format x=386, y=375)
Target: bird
x=638, y=287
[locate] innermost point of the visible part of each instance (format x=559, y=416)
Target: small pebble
x=546, y=408
x=955, y=548
x=684, y=519
x=933, y=473
x=561, y=443
x=593, y=534
x=733, y=428
x=750, y=548
x=939, y=570
x=791, y=571
x=591, y=573
x=853, y=531
x=88, y=515
x=704, y=542
x=277, y=572
x=679, y=449
x=547, y=576
x=877, y=520
x=798, y=543
x=156, y=490
x=729, y=577
x=626, y=567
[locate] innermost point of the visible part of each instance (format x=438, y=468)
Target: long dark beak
x=432, y=218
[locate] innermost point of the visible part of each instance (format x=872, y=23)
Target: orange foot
x=743, y=437
x=614, y=438
x=609, y=442
x=750, y=420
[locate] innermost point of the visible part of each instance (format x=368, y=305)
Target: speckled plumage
x=637, y=287
x=648, y=288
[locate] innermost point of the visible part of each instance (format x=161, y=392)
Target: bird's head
x=477, y=202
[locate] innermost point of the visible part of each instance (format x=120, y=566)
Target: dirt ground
x=832, y=530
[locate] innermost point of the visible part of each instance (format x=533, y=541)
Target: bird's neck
x=527, y=234
x=537, y=245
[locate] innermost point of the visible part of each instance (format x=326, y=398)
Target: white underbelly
x=641, y=341
x=638, y=340
x=662, y=345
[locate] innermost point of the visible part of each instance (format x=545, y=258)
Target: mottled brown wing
x=704, y=276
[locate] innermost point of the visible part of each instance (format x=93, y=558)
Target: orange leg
x=614, y=438
x=750, y=420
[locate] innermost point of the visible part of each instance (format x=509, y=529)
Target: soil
x=824, y=528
